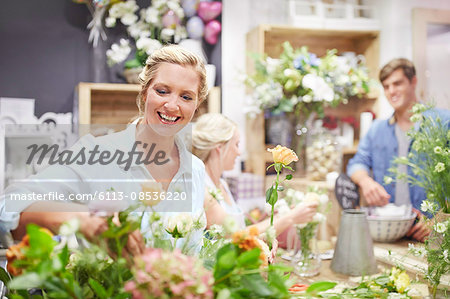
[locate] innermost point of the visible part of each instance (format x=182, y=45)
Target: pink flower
x=130, y=286
x=178, y=288
x=171, y=274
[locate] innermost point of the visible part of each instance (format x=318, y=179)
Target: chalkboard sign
x=346, y=192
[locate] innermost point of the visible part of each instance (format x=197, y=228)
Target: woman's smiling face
x=172, y=98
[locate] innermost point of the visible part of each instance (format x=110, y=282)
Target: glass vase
x=278, y=129
x=323, y=153
x=306, y=261
x=299, y=141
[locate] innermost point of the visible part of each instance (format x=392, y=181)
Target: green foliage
x=237, y=274
x=97, y=271
x=429, y=158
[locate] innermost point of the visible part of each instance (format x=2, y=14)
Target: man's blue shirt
x=377, y=150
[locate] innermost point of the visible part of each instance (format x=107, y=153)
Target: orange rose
x=248, y=240
x=283, y=155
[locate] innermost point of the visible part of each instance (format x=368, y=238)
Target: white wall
x=396, y=33
x=239, y=16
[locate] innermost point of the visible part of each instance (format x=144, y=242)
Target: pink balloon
x=212, y=30
x=170, y=19
x=208, y=11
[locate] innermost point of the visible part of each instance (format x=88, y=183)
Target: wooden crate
x=108, y=103
x=269, y=39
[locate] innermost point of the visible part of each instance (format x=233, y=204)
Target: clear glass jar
x=323, y=153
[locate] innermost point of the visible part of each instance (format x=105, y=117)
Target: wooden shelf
x=110, y=103
x=269, y=39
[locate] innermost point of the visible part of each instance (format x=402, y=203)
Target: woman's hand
x=135, y=244
x=303, y=213
x=93, y=226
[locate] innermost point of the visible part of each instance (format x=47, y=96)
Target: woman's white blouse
x=95, y=178
x=232, y=210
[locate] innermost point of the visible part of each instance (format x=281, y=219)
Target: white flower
x=290, y=192
x=268, y=95
x=144, y=33
x=439, y=167
x=416, y=117
x=121, y=9
x=301, y=225
x=167, y=33
x=438, y=150
x=307, y=98
x=115, y=11
x=419, y=108
x=271, y=234
x=396, y=296
x=322, y=91
x=323, y=198
x=427, y=206
x=179, y=225
x=173, y=5
x=312, y=197
x=200, y=222
x=151, y=15
x=440, y=227
x=69, y=227
x=282, y=206
x=149, y=45
x=216, y=230
x=342, y=80
x=319, y=218
x=272, y=65
x=118, y=52
x=129, y=19
x=138, y=30
x=110, y=22
x=131, y=5
x=298, y=196
x=388, y=180
x=445, y=254
x=230, y=225
x=416, y=251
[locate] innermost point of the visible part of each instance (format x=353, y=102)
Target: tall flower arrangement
x=429, y=161
x=301, y=81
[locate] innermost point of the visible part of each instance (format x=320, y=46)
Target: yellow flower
x=402, y=282
x=283, y=155
x=151, y=193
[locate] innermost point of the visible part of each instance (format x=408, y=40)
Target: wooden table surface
x=387, y=256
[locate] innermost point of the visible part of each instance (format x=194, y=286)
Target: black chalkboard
x=346, y=192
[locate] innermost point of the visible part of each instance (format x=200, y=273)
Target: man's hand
x=374, y=193
x=420, y=230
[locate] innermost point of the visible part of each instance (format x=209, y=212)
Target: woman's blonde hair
x=209, y=131
x=170, y=54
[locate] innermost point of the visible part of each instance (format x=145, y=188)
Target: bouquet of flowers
x=149, y=28
x=300, y=81
x=158, y=273
x=428, y=160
